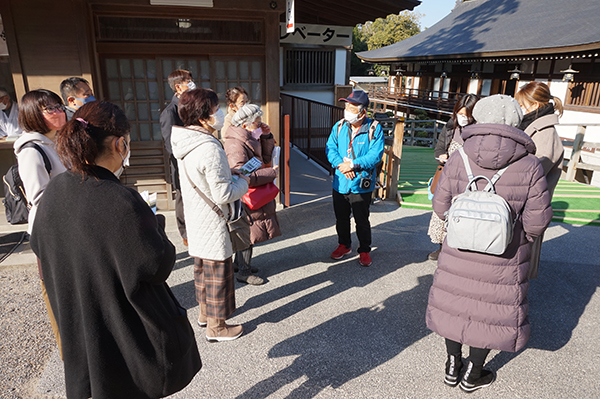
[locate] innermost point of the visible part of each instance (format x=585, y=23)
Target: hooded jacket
x=32, y=170
x=202, y=155
x=240, y=147
x=480, y=299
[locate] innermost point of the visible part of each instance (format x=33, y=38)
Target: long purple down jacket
x=478, y=299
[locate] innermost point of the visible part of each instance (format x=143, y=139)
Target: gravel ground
x=26, y=339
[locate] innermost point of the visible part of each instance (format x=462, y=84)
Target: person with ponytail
x=539, y=120
x=105, y=259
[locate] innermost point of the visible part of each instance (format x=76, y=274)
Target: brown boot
x=202, y=316
x=435, y=254
x=218, y=330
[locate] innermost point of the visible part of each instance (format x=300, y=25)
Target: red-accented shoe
x=340, y=251
x=365, y=259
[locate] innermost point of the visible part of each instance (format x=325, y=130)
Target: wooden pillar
x=575, y=154
x=394, y=165
x=286, y=164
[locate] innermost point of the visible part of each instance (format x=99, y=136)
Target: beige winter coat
x=549, y=149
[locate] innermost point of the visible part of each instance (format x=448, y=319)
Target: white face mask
x=351, y=117
x=125, y=162
x=219, y=120
x=462, y=120
x=2, y=106
x=191, y=85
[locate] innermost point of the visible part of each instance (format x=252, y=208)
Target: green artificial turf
x=573, y=203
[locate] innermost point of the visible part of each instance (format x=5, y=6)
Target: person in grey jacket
x=538, y=122
x=41, y=116
x=478, y=299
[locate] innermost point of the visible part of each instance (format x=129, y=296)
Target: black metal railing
x=310, y=125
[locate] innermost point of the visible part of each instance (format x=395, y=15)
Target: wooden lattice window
x=584, y=94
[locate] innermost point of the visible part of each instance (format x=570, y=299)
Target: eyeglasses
x=53, y=109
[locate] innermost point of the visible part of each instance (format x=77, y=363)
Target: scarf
x=538, y=113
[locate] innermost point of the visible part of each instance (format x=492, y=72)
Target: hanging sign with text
x=316, y=34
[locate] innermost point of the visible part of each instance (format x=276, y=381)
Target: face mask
x=125, y=162
x=525, y=112
x=85, y=100
x=191, y=85
x=256, y=133
x=351, y=117
x=219, y=120
x=2, y=106
x=462, y=120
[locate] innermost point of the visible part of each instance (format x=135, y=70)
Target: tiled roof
x=502, y=27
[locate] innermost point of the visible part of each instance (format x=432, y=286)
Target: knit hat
x=499, y=109
x=247, y=113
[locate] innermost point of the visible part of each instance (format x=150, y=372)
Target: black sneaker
x=476, y=379
x=453, y=367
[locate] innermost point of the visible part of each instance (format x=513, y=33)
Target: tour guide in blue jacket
x=354, y=152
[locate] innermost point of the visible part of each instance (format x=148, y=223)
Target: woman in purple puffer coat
x=478, y=299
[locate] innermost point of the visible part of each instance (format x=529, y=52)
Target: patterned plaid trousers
x=215, y=286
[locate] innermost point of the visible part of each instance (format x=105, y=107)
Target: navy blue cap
x=357, y=97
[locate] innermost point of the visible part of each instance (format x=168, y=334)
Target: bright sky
x=433, y=11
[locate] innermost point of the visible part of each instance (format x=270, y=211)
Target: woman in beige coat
x=538, y=122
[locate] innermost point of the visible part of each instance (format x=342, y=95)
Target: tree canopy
x=380, y=33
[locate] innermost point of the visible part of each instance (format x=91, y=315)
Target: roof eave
x=508, y=53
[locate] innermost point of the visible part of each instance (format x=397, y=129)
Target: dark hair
x=177, y=77
x=195, y=105
x=83, y=138
x=31, y=110
x=234, y=93
x=68, y=87
x=538, y=92
x=468, y=102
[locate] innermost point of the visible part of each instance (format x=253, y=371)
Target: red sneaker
x=340, y=251
x=365, y=259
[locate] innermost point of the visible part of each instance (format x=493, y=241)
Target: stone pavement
x=332, y=329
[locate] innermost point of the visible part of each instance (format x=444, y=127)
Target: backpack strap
x=372, y=128
x=468, y=168
x=490, y=186
x=494, y=179
x=47, y=163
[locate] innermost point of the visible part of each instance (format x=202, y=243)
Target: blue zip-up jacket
x=368, y=154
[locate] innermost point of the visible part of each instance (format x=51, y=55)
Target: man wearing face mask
x=180, y=81
x=75, y=92
x=9, y=117
x=354, y=149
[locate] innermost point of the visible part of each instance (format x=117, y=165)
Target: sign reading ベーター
x=317, y=34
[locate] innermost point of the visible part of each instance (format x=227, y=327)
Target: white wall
x=324, y=96
x=473, y=86
x=340, y=66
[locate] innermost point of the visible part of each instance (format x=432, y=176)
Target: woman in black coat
x=105, y=258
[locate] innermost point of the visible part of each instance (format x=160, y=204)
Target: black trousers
x=476, y=355
x=345, y=205
x=178, y=198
